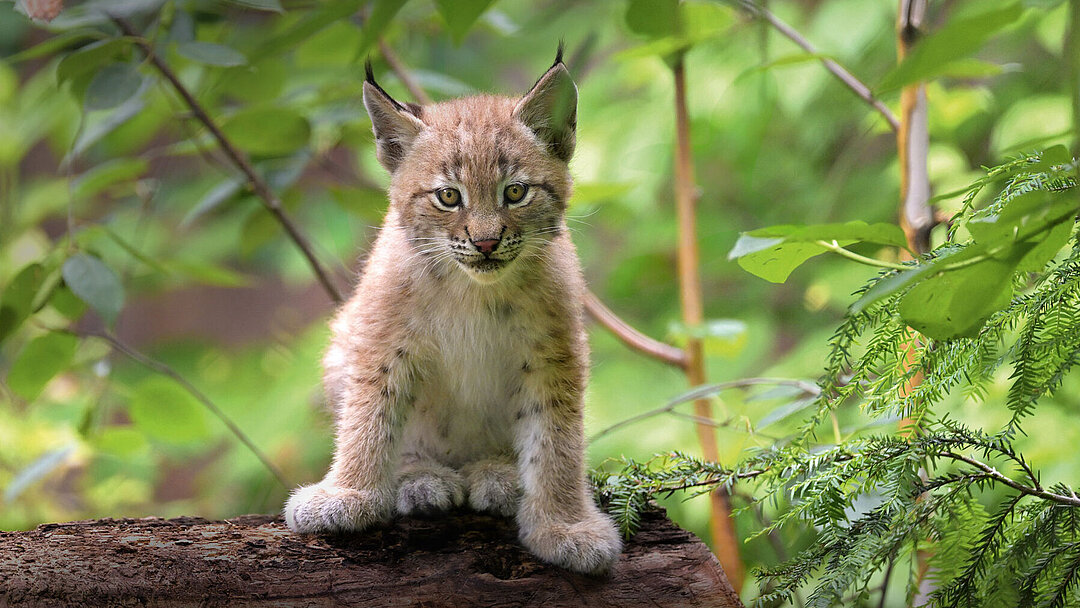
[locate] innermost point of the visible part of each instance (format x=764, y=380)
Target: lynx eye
x=515, y=192
x=449, y=197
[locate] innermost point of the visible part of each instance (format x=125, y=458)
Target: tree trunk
x=461, y=559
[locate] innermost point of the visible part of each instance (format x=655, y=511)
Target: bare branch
x=259, y=186
x=165, y=370
x=630, y=336
x=402, y=73
x=857, y=86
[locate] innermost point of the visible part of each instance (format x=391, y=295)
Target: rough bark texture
x=463, y=559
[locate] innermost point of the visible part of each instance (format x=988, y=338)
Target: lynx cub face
x=457, y=368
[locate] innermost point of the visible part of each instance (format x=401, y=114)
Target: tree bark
x=461, y=559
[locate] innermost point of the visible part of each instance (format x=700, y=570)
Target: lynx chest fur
x=457, y=368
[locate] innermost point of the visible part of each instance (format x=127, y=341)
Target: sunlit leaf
x=268, y=131
x=16, y=298
x=163, y=410
x=39, y=361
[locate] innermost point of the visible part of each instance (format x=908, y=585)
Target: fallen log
x=460, y=559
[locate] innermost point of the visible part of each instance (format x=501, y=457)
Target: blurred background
x=100, y=158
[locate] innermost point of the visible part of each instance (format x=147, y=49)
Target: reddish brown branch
x=259, y=186
x=725, y=543
x=630, y=336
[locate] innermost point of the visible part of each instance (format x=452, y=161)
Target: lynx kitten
x=458, y=367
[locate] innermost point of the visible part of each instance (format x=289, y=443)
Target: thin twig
x=706, y=391
x=402, y=73
x=841, y=73
x=259, y=186
x=165, y=370
x=994, y=474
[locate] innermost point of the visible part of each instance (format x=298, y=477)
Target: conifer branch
x=996, y=475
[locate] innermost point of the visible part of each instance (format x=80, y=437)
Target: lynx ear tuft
x=395, y=125
x=549, y=109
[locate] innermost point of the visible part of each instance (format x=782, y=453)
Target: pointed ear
x=395, y=125
x=549, y=109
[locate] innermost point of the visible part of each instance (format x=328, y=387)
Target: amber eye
x=449, y=197
x=515, y=192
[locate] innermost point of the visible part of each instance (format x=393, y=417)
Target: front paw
x=493, y=487
x=327, y=508
x=430, y=489
x=590, y=546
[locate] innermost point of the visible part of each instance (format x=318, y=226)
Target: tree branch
x=259, y=186
x=992, y=473
x=165, y=370
x=837, y=70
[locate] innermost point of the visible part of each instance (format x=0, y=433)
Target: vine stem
x=835, y=247
x=626, y=333
x=258, y=185
x=165, y=370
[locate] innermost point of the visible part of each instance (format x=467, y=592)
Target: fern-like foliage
x=988, y=531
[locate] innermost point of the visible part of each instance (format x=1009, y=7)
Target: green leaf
x=375, y=25
x=107, y=174
x=259, y=229
x=460, y=15
x=268, y=131
x=773, y=253
x=39, y=361
x=598, y=192
x=53, y=44
x=112, y=86
x=17, y=297
x=165, y=411
x=121, y=441
x=956, y=303
x=313, y=21
x=90, y=58
x=653, y=18
x=932, y=56
x=784, y=411
x=211, y=53
x=260, y=5
x=222, y=192
x=94, y=283
x=721, y=337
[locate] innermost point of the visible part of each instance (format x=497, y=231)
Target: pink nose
x=486, y=246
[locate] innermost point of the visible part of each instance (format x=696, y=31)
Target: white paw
x=493, y=487
x=326, y=508
x=591, y=546
x=429, y=490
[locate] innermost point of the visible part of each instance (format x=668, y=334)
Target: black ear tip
x=558, y=54
x=369, y=74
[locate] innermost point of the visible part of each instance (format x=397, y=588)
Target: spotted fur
x=458, y=375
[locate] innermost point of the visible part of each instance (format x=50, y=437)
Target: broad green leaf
x=596, y=192
x=37, y=470
x=653, y=18
x=312, y=22
x=211, y=53
x=107, y=174
x=112, y=86
x=932, y=55
x=121, y=441
x=65, y=302
x=956, y=303
x=163, y=410
x=53, y=44
x=268, y=131
x=1022, y=218
x=39, y=361
x=261, y=5
x=259, y=229
x=223, y=191
x=460, y=15
x=773, y=253
x=94, y=283
x=375, y=25
x=256, y=82
x=721, y=337
x=89, y=58
x=97, y=129
x=16, y=298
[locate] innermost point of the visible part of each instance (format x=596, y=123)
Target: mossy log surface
x=460, y=559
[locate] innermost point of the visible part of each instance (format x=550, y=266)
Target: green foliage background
x=117, y=209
